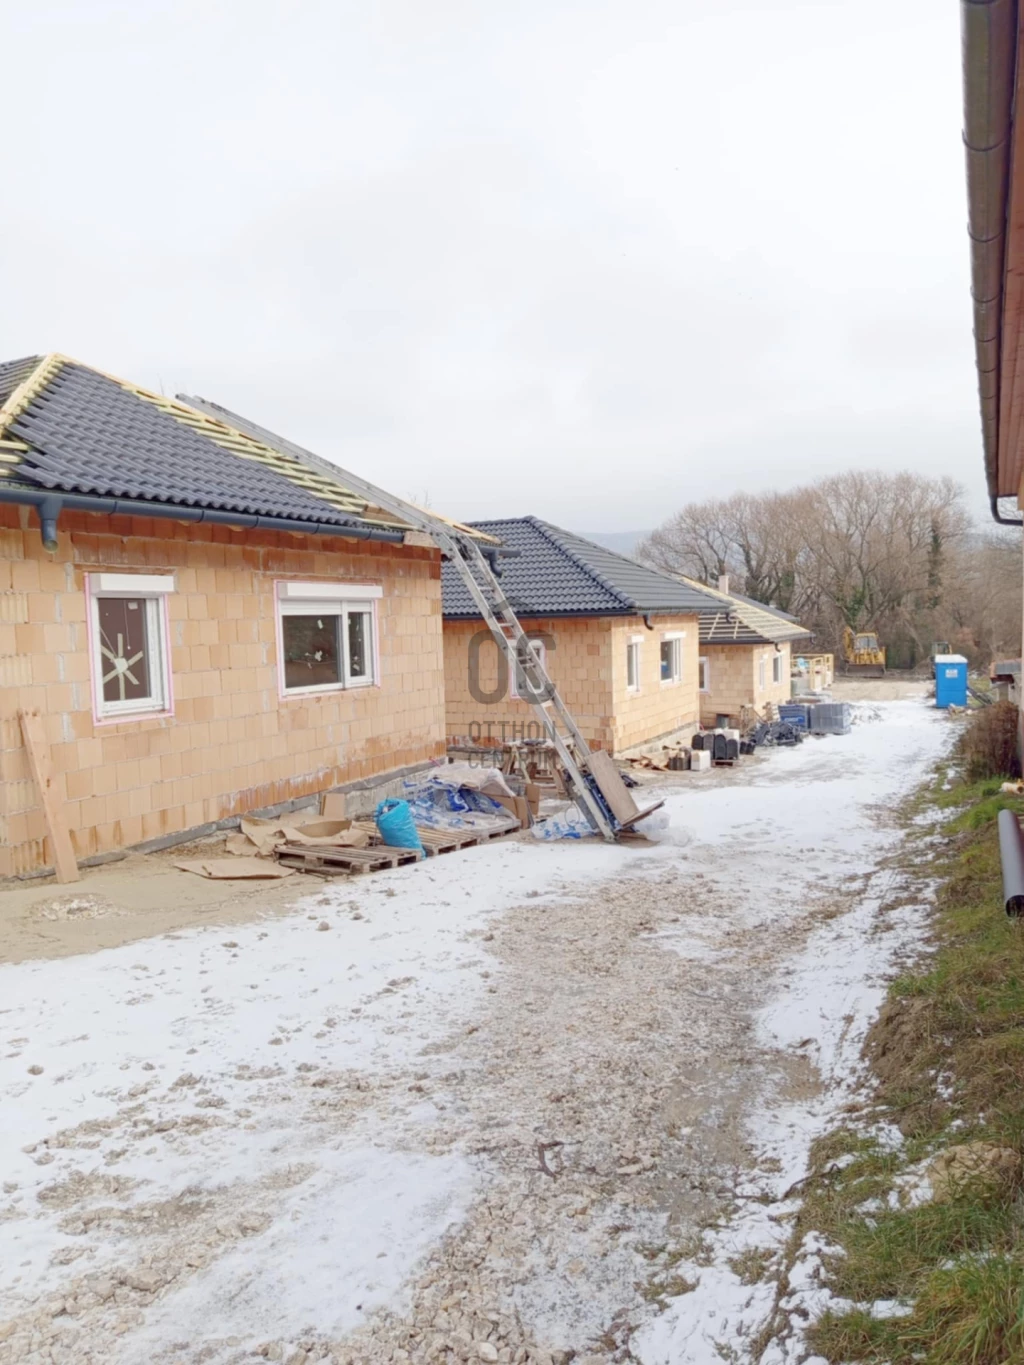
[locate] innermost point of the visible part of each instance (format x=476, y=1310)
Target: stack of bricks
x=233, y=743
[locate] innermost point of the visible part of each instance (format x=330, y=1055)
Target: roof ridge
x=546, y=528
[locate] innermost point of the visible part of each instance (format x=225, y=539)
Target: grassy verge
x=948, y=1053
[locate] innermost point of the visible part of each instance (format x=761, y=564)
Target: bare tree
x=888, y=552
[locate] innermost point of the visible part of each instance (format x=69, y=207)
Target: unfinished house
x=745, y=654
x=619, y=641
x=193, y=622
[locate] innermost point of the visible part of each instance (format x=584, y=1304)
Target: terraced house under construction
x=196, y=619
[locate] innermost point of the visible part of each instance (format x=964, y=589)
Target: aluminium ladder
x=463, y=551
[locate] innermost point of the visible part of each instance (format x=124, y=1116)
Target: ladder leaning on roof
x=595, y=783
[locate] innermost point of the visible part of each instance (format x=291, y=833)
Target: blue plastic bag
x=395, y=825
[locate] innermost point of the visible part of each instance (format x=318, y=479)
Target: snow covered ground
x=468, y=1110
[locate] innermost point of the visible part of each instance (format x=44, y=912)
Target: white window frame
x=777, y=668
x=633, y=643
x=540, y=649
x=674, y=638
x=153, y=590
x=295, y=598
x=762, y=673
x=703, y=674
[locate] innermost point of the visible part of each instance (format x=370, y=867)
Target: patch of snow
x=343, y=1244
x=823, y=1003
x=173, y=1065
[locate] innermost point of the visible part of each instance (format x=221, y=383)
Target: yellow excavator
x=863, y=654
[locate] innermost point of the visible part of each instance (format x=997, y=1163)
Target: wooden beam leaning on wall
x=53, y=809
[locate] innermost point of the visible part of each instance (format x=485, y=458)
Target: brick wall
x=656, y=708
x=232, y=743
x=586, y=658
x=578, y=660
x=734, y=679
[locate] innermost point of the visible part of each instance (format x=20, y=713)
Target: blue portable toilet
x=950, y=680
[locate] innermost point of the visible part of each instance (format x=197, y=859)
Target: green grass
x=958, y=1266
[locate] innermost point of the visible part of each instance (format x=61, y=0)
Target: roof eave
x=990, y=39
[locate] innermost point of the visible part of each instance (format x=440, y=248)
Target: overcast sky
x=589, y=260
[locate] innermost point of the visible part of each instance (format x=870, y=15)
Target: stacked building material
x=831, y=718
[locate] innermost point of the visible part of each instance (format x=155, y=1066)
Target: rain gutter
x=50, y=505
x=989, y=33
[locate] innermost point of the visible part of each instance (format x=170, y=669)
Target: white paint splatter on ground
x=475, y=1111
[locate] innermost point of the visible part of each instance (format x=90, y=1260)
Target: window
x=633, y=666
x=704, y=684
x=328, y=640
x=777, y=668
x=131, y=673
x=762, y=673
x=671, y=659
x=539, y=649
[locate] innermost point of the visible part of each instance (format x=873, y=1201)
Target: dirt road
x=529, y=1102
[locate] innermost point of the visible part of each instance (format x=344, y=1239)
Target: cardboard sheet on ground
x=265, y=835
x=230, y=869
x=329, y=833
x=260, y=837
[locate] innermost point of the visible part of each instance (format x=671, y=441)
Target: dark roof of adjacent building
x=736, y=620
x=72, y=429
x=557, y=573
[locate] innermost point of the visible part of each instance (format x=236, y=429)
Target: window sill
x=133, y=717
x=336, y=690
x=671, y=682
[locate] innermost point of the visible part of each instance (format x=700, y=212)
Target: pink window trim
x=90, y=639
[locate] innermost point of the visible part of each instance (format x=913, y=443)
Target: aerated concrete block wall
x=232, y=744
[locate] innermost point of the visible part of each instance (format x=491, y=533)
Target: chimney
x=723, y=582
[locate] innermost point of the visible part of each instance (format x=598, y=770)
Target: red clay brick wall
x=232, y=744
x=656, y=708
x=588, y=666
x=579, y=663
x=733, y=674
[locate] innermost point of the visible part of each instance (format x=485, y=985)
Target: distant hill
x=624, y=542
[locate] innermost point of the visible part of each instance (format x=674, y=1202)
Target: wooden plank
x=64, y=859
x=613, y=789
x=641, y=815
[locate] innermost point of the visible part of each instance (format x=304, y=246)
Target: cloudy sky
x=583, y=259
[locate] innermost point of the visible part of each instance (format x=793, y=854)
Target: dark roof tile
x=89, y=433
x=15, y=372
x=557, y=573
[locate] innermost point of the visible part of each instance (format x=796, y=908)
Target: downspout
x=1011, y=857
x=49, y=506
x=997, y=516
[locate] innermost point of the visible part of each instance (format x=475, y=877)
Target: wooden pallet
x=337, y=862
x=437, y=841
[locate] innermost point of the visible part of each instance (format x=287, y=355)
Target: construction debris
x=230, y=869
